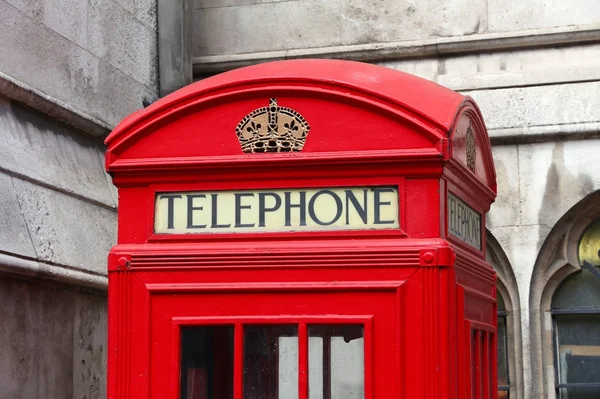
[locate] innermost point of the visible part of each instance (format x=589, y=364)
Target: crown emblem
x=471, y=150
x=272, y=129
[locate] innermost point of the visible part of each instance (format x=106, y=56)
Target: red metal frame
x=418, y=290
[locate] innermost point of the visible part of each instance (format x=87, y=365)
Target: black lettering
x=300, y=205
x=311, y=207
x=469, y=226
x=190, y=211
x=170, y=208
x=377, y=204
x=239, y=207
x=459, y=222
x=262, y=207
x=478, y=232
x=215, y=214
x=452, y=215
x=361, y=210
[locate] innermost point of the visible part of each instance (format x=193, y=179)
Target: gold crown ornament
x=272, y=129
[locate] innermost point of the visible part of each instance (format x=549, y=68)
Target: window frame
x=555, y=314
x=504, y=314
x=302, y=321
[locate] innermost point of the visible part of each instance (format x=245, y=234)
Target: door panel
x=275, y=345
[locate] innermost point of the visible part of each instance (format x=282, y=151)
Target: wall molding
x=16, y=90
x=544, y=133
x=422, y=48
x=17, y=265
x=174, y=44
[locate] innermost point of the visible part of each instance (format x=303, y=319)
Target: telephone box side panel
x=477, y=323
x=421, y=208
x=128, y=336
x=430, y=345
x=136, y=214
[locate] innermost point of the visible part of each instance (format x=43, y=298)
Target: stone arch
x=508, y=288
x=556, y=260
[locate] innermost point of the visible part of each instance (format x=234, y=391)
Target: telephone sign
x=333, y=208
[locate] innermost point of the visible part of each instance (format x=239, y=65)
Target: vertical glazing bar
x=486, y=365
x=477, y=365
x=303, y=361
x=368, y=359
x=494, y=361
x=326, y=364
x=238, y=361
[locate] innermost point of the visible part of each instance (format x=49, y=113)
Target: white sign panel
x=282, y=210
x=464, y=222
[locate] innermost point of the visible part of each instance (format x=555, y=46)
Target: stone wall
x=95, y=58
x=53, y=342
x=70, y=70
x=58, y=205
x=58, y=223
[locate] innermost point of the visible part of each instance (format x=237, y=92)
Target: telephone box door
x=272, y=341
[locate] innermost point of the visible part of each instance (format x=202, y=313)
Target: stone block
x=14, y=236
x=37, y=341
x=520, y=68
x=145, y=12
x=232, y=3
x=226, y=3
x=539, y=105
x=126, y=43
x=510, y=15
x=89, y=350
x=521, y=245
x=554, y=177
x=505, y=210
x=68, y=18
x=266, y=27
x=32, y=8
x=35, y=146
x=423, y=68
x=526, y=67
x=48, y=62
x=66, y=230
x=128, y=5
x=371, y=21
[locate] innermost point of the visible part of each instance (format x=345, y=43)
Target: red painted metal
x=426, y=298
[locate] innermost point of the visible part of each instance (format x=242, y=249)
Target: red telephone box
x=303, y=229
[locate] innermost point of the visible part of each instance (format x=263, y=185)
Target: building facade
x=71, y=69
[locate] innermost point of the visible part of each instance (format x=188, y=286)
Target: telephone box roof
x=425, y=99
x=348, y=107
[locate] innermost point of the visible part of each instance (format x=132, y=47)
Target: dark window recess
x=576, y=317
x=207, y=362
x=503, y=376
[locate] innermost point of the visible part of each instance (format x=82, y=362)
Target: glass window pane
x=581, y=290
x=503, y=393
x=579, y=393
x=590, y=244
x=578, y=338
x=270, y=362
x=336, y=365
x=207, y=362
x=502, y=353
x=501, y=305
x=474, y=364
